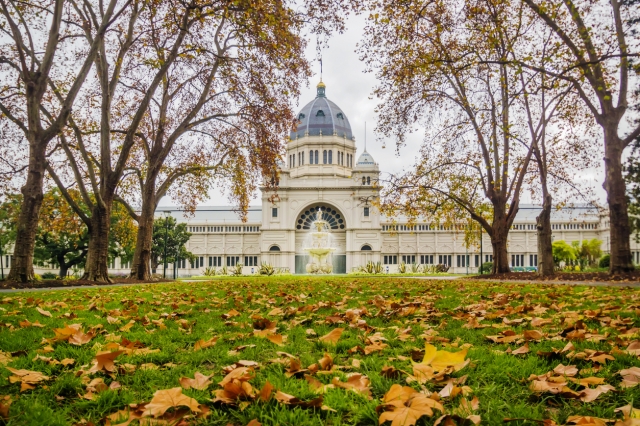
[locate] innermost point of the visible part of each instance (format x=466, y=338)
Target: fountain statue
x=320, y=252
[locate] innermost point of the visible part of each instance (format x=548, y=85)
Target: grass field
x=409, y=350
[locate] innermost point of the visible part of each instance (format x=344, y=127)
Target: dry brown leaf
x=265, y=393
x=375, y=347
x=333, y=336
x=127, y=326
x=43, y=312
x=277, y=339
x=169, y=398
x=240, y=373
x=292, y=400
x=104, y=361
x=532, y=335
x=521, y=350
x=586, y=421
x=199, y=381
x=568, y=370
x=203, y=344
x=355, y=382
x=404, y=406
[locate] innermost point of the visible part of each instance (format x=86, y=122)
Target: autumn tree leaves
x=133, y=100
x=510, y=93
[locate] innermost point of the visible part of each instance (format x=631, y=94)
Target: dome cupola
x=321, y=117
x=365, y=160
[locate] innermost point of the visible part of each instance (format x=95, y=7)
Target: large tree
x=446, y=65
x=182, y=70
x=598, y=44
x=632, y=177
x=62, y=237
x=39, y=46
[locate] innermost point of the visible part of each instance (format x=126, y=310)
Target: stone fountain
x=320, y=252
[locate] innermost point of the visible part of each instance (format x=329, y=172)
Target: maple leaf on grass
x=203, y=344
x=355, y=382
x=43, y=312
x=26, y=378
x=333, y=336
x=277, y=339
x=287, y=399
x=169, y=398
x=104, y=361
x=240, y=373
x=199, y=382
x=443, y=360
x=404, y=406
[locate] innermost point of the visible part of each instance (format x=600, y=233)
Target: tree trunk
x=27, y=225
x=63, y=271
x=499, y=236
x=614, y=184
x=63, y=265
x=140, y=269
x=500, y=256
x=545, y=248
x=97, y=268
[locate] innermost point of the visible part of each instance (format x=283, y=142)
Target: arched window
x=330, y=156
x=340, y=115
x=324, y=157
x=317, y=159
x=320, y=113
x=368, y=180
x=274, y=248
x=311, y=157
x=301, y=116
x=363, y=180
x=366, y=247
x=327, y=213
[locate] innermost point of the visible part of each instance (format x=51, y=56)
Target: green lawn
x=392, y=320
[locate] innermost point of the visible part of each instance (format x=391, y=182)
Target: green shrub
x=440, y=268
x=49, y=276
x=210, y=271
x=266, y=269
x=486, y=268
x=604, y=261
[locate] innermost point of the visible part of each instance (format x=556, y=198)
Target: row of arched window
x=342, y=158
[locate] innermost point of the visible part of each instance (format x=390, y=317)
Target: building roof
x=225, y=214
x=321, y=116
x=527, y=214
x=213, y=214
x=365, y=159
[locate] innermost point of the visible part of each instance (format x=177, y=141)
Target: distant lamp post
x=1, y=265
x=166, y=215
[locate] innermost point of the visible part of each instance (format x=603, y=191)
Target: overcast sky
x=350, y=88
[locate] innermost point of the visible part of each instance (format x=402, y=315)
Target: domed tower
x=322, y=143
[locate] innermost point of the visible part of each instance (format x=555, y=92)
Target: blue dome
x=322, y=115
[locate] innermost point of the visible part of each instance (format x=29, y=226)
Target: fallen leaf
x=104, y=361
x=333, y=336
x=404, y=406
x=169, y=398
x=203, y=344
x=199, y=382
x=443, y=360
x=276, y=339
x=43, y=312
x=355, y=382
